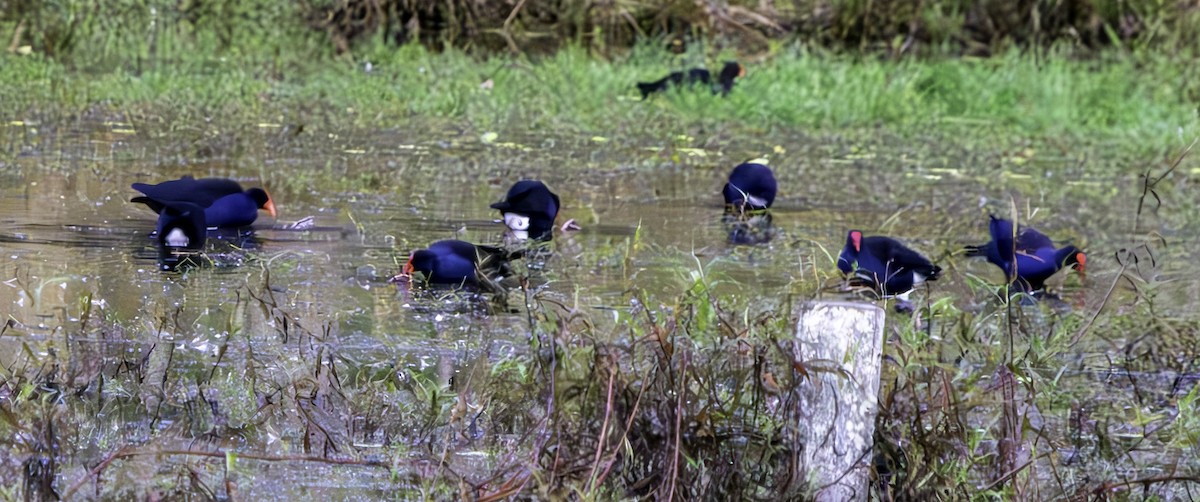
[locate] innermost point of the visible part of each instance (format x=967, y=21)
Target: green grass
x=1142, y=102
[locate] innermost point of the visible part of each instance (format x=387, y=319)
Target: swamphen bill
x=529, y=207
x=459, y=262
x=890, y=267
x=1027, y=257
x=730, y=72
x=224, y=202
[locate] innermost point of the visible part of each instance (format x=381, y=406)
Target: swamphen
x=224, y=202
x=1027, y=257
x=890, y=267
x=459, y=262
x=181, y=225
x=730, y=72
x=748, y=194
x=201, y=191
x=529, y=207
x=751, y=187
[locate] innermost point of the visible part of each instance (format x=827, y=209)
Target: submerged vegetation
x=688, y=393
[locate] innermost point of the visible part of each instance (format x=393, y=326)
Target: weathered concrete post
x=841, y=342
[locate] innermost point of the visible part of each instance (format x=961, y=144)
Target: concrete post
x=841, y=343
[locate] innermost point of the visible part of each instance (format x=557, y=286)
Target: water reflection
x=750, y=227
x=223, y=248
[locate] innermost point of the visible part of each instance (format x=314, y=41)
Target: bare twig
x=612, y=458
x=1013, y=472
x=1148, y=184
x=128, y=452
x=507, y=29
x=1112, y=486
x=608, y=409
x=18, y=32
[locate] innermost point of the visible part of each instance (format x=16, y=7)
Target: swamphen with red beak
x=891, y=268
x=224, y=202
x=1027, y=257
x=459, y=262
x=529, y=210
x=730, y=72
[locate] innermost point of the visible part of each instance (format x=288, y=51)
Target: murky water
x=66, y=214
x=649, y=207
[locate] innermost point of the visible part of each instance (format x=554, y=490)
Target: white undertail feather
x=176, y=238
x=516, y=221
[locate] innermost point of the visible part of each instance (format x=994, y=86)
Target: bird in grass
x=730, y=72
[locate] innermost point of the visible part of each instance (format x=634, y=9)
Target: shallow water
x=649, y=207
x=67, y=214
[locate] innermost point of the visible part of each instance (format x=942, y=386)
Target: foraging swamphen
x=181, y=225
x=1027, y=257
x=459, y=262
x=730, y=72
x=748, y=194
x=201, y=191
x=529, y=207
x=751, y=187
x=224, y=202
x=890, y=267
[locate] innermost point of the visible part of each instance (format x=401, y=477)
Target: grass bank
x=1142, y=103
